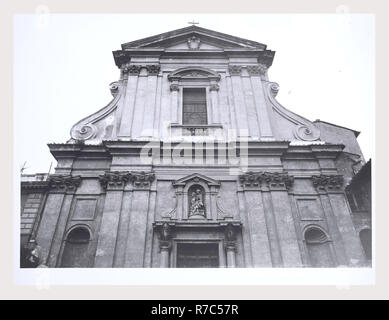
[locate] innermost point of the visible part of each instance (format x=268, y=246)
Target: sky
x=63, y=64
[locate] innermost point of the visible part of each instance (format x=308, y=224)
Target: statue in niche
x=197, y=207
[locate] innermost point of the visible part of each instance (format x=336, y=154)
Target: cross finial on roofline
x=193, y=23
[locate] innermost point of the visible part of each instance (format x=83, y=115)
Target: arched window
x=365, y=236
x=75, y=253
x=196, y=202
x=318, y=248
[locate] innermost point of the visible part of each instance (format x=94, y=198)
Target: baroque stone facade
x=194, y=163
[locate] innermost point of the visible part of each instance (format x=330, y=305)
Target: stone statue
x=197, y=204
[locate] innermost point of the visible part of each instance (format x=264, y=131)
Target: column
x=174, y=88
x=239, y=103
x=165, y=253
x=127, y=113
x=113, y=182
x=230, y=234
x=137, y=230
x=214, y=88
x=264, y=119
x=165, y=235
x=55, y=211
x=332, y=185
x=149, y=108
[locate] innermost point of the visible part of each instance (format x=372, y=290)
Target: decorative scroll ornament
x=64, y=182
x=221, y=212
x=86, y=129
x=328, y=182
x=257, y=70
x=194, y=43
x=234, y=70
x=114, y=179
x=174, y=87
x=118, y=179
x=114, y=87
x=214, y=87
x=142, y=179
x=132, y=69
x=266, y=179
x=153, y=69
x=165, y=232
x=304, y=129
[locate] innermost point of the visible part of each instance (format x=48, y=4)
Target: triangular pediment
x=193, y=38
x=196, y=177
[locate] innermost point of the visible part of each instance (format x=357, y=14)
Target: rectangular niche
x=309, y=209
x=84, y=209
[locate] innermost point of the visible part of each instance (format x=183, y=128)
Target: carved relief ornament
x=118, y=179
x=328, y=182
x=64, y=182
x=266, y=179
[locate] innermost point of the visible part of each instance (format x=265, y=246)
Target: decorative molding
x=114, y=179
x=142, y=179
x=85, y=129
x=214, y=87
x=230, y=235
x=64, y=183
x=132, y=69
x=174, y=87
x=257, y=70
x=194, y=43
x=272, y=180
x=328, y=182
x=153, y=69
x=235, y=70
x=194, y=73
x=304, y=129
x=221, y=212
x=119, y=179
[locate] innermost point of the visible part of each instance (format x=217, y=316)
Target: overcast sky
x=63, y=64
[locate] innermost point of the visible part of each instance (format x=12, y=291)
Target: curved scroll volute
x=100, y=124
x=304, y=129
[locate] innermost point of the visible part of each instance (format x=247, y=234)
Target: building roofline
x=356, y=133
x=172, y=33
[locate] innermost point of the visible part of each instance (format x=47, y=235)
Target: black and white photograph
x=243, y=142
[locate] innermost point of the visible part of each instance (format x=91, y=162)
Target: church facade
x=194, y=163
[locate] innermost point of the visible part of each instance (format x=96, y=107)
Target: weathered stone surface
x=288, y=177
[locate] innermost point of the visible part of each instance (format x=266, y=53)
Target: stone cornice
x=327, y=183
x=261, y=179
x=64, y=183
x=36, y=186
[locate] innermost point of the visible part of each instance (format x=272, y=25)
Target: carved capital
x=153, y=69
x=234, y=70
x=64, y=183
x=214, y=87
x=257, y=70
x=132, y=69
x=142, y=179
x=114, y=179
x=272, y=180
x=328, y=182
x=174, y=87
